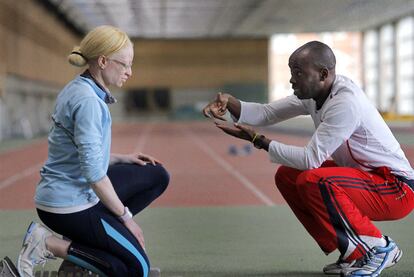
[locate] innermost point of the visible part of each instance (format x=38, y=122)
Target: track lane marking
x=231, y=170
x=18, y=176
x=143, y=137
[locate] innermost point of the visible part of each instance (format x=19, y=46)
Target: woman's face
x=119, y=67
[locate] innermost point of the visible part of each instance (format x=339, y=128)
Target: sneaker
x=7, y=268
x=375, y=261
x=34, y=250
x=154, y=272
x=336, y=267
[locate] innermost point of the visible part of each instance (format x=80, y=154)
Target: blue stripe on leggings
x=126, y=244
x=84, y=264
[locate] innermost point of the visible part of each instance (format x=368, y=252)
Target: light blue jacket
x=79, y=146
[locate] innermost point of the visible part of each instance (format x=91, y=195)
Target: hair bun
x=76, y=58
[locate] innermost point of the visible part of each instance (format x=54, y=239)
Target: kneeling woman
x=86, y=194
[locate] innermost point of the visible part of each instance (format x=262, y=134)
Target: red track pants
x=336, y=204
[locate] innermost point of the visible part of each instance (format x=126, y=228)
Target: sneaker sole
x=154, y=272
x=11, y=267
x=337, y=272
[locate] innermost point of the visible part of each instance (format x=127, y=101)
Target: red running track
x=195, y=153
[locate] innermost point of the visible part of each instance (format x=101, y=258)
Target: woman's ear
x=102, y=62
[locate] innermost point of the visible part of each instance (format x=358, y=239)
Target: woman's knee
x=163, y=177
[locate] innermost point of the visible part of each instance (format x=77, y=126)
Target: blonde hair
x=103, y=40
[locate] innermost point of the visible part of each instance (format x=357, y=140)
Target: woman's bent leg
x=100, y=242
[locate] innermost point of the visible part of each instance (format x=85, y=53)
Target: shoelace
x=369, y=260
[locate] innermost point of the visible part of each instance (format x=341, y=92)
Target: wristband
x=255, y=137
x=258, y=142
x=126, y=216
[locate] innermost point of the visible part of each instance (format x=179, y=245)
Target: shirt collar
x=107, y=96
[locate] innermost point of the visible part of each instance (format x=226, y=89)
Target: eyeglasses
x=124, y=65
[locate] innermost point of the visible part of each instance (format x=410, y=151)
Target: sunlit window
x=389, y=66
x=371, y=65
x=405, y=66
x=346, y=46
x=387, y=70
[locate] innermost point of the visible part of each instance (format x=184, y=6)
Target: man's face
x=305, y=78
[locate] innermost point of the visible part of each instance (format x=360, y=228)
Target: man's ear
x=323, y=74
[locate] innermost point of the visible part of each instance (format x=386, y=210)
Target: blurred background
x=221, y=214
x=188, y=50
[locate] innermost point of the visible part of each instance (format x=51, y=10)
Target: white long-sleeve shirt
x=348, y=128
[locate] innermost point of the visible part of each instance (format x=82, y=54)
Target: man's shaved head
x=312, y=68
x=316, y=53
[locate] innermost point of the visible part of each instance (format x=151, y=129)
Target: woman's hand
x=137, y=158
x=134, y=228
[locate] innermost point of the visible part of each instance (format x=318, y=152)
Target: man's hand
x=218, y=107
x=134, y=228
x=238, y=131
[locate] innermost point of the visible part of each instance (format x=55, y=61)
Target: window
x=405, y=66
x=389, y=66
x=370, y=61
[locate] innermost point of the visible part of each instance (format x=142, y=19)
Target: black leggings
x=100, y=242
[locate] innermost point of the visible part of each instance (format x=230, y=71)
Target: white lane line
x=16, y=177
x=212, y=154
x=33, y=169
x=143, y=137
